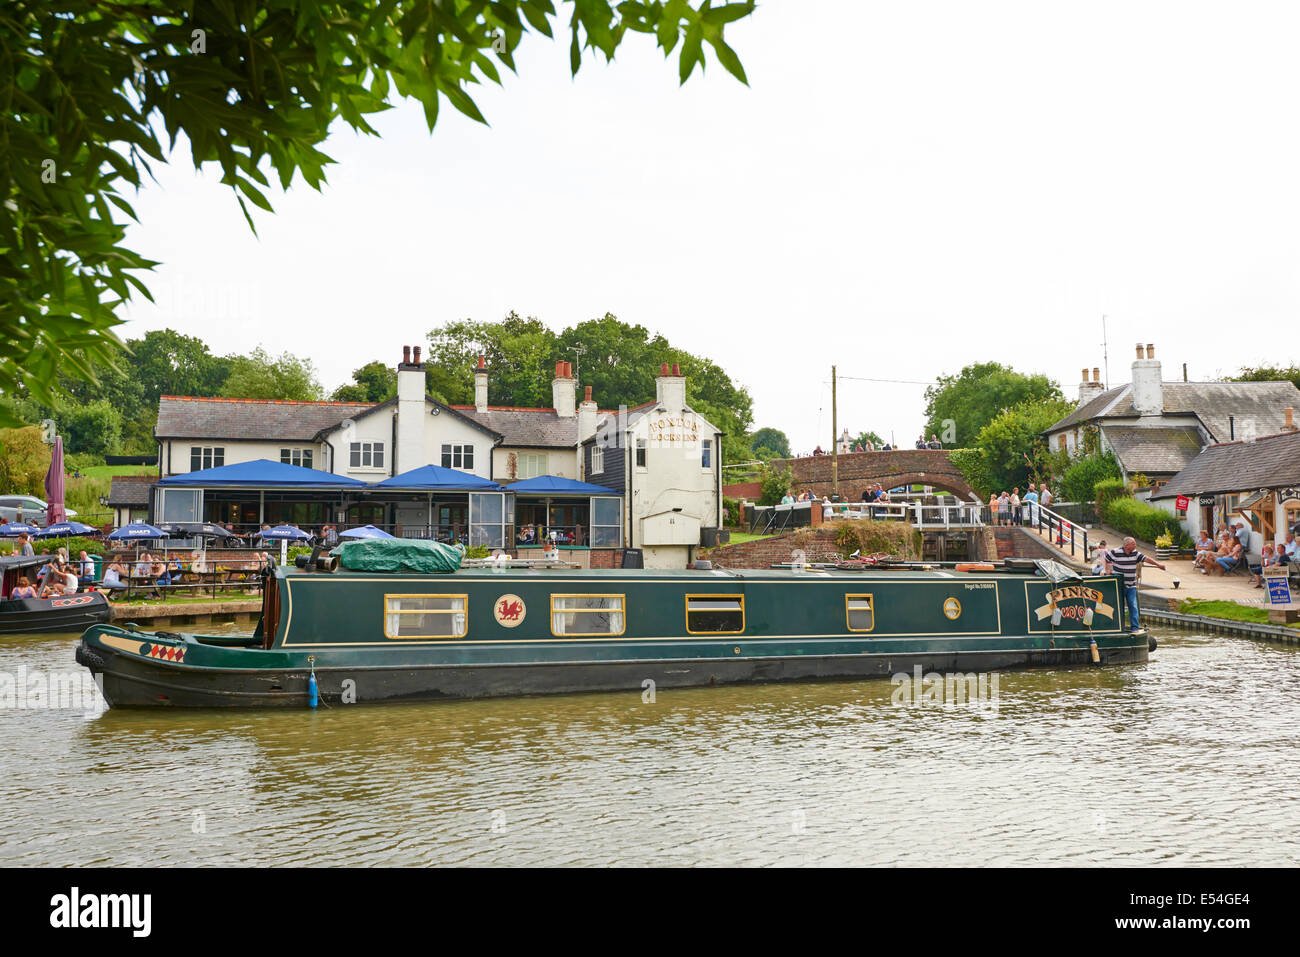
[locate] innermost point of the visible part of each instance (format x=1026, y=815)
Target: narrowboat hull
x=69, y=613
x=789, y=629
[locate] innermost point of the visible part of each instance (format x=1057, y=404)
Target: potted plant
x=1164, y=546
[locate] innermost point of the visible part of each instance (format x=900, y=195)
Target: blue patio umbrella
x=365, y=531
x=284, y=531
x=67, y=529
x=136, y=531
x=14, y=529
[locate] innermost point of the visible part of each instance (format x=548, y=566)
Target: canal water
x=1190, y=759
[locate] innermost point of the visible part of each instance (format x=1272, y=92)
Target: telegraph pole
x=835, y=440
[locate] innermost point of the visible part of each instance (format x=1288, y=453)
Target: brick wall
x=859, y=470
x=764, y=552
x=745, y=490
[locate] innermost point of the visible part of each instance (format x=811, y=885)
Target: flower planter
x=1164, y=554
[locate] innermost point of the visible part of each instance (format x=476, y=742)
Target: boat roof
x=714, y=574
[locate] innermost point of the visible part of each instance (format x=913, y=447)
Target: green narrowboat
x=360, y=637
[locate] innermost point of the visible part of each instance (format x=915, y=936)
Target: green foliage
x=619, y=361
x=1077, y=482
x=1141, y=520
x=774, y=441
x=865, y=437
x=477, y=551
x=977, y=395
x=1010, y=451
x=731, y=512
x=1268, y=373
x=373, y=382
x=75, y=546
x=1107, y=490
x=96, y=93
x=775, y=485
x=258, y=376
x=95, y=428
x=897, y=539
x=24, y=460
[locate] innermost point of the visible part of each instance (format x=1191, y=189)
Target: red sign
x=1181, y=502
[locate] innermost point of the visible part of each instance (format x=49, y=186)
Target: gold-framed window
x=715, y=614
x=588, y=615
x=859, y=612
x=426, y=616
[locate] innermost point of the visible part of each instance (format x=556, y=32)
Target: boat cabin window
x=715, y=614
x=425, y=616
x=859, y=613
x=588, y=614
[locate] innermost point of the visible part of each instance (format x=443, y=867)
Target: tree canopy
x=769, y=443
x=619, y=361
x=1268, y=373
x=1010, y=451
x=958, y=407
x=96, y=93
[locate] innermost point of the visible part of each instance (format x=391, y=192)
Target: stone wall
x=819, y=545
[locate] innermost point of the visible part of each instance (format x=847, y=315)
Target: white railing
x=963, y=515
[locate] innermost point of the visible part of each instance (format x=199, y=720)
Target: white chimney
x=1089, y=389
x=1148, y=394
x=564, y=390
x=586, y=417
x=409, y=453
x=670, y=388
x=480, y=385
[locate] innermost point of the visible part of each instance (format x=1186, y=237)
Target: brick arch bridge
x=859, y=470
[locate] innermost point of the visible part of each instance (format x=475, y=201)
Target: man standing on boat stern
x=1127, y=559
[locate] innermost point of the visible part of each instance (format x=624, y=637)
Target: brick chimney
x=480, y=385
x=409, y=452
x=670, y=388
x=1089, y=389
x=564, y=390
x=1289, y=425
x=1148, y=393
x=586, y=416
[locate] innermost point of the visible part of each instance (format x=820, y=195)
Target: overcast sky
x=904, y=188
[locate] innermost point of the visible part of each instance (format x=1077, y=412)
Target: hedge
x=731, y=512
x=1106, y=491
x=870, y=537
x=1141, y=520
x=1079, y=481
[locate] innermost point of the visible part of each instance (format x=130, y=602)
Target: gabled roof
x=277, y=420
x=262, y=473
x=1270, y=462
x=127, y=490
x=1261, y=403
x=528, y=428
x=1159, y=451
x=428, y=401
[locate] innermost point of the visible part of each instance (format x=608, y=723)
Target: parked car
x=26, y=508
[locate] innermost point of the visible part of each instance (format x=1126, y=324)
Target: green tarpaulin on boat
x=399, y=555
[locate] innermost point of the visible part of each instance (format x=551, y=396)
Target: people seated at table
x=114, y=575
x=1204, y=543
x=85, y=568
x=1290, y=549
x=528, y=534
x=143, y=566
x=24, y=589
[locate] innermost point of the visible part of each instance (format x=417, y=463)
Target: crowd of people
x=1011, y=508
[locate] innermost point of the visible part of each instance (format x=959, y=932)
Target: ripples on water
x=1190, y=759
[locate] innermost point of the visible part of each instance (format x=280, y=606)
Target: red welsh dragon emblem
x=509, y=611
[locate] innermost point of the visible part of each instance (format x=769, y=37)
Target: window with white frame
x=597, y=458
x=640, y=453
x=606, y=522
x=299, y=457
x=587, y=614
x=530, y=464
x=706, y=454
x=366, y=455
x=458, y=457
x=206, y=457
x=487, y=519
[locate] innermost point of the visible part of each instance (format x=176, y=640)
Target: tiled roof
x=1160, y=451
x=1270, y=462
x=1262, y=404
x=534, y=428
x=190, y=417
x=130, y=490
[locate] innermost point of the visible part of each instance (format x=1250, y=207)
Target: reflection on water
x=1190, y=759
